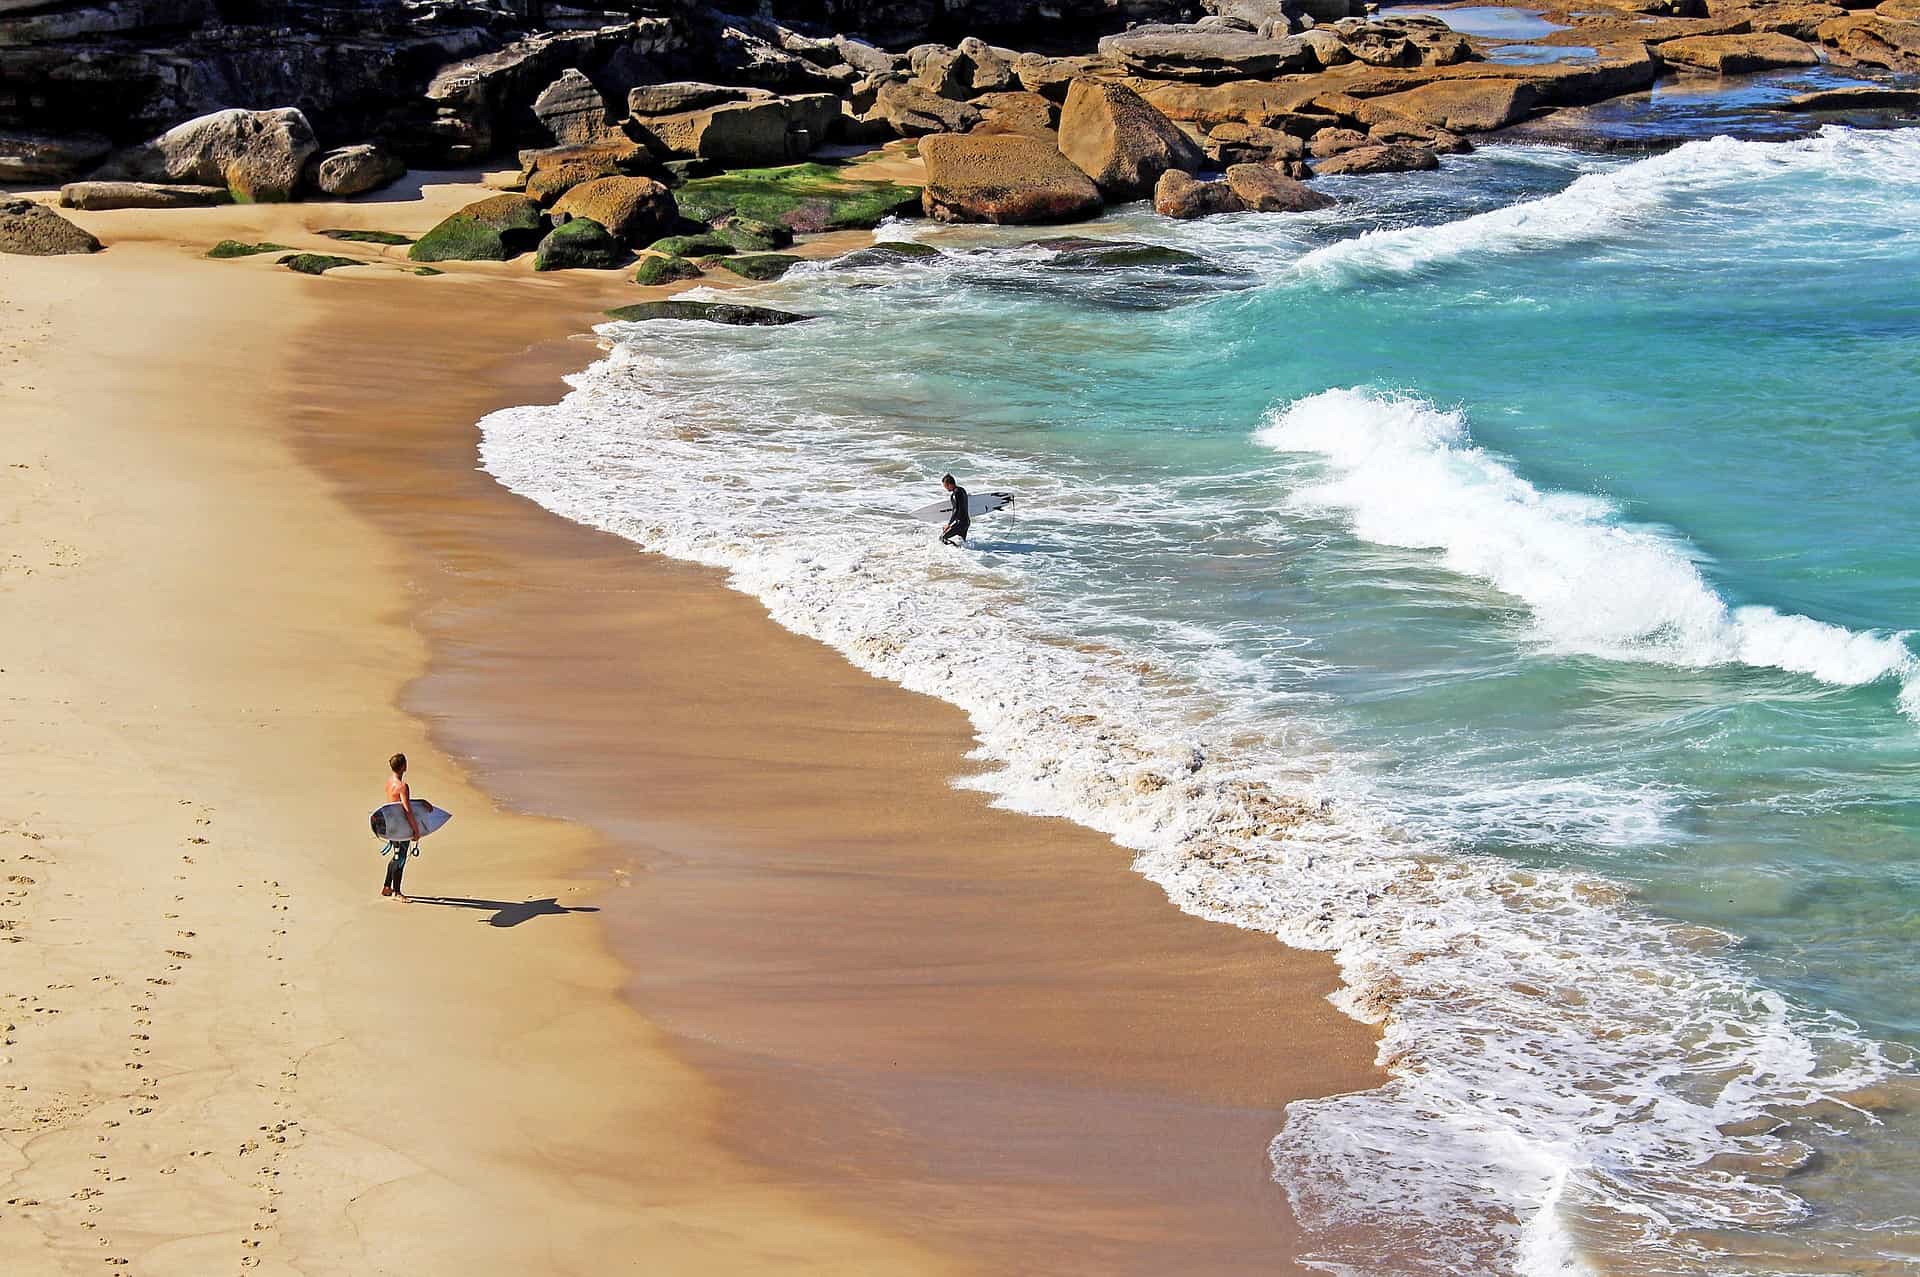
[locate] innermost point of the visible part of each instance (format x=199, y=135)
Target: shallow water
x=1502, y=581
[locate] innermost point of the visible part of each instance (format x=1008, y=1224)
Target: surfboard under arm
x=978, y=503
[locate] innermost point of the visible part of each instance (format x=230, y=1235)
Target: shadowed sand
x=887, y=1029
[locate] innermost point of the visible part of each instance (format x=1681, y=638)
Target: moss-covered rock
x=803, y=197
x=709, y=245
x=1078, y=253
x=317, y=263
x=760, y=266
x=654, y=271
x=581, y=244
x=235, y=248
x=751, y=235
x=888, y=254
x=425, y=270
x=709, y=312
x=367, y=237
x=490, y=230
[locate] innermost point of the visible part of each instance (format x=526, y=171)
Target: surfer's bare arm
x=406, y=805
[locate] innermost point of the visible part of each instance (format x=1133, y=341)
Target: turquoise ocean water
x=1502, y=581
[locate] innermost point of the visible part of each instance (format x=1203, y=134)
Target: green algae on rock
x=318, y=263
x=665, y=270
x=760, y=266
x=708, y=245
x=750, y=235
x=489, y=230
x=803, y=197
x=709, y=312
x=366, y=237
x=888, y=254
x=581, y=244
x=236, y=248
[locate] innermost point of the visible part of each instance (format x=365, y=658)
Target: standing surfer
x=398, y=852
x=957, y=519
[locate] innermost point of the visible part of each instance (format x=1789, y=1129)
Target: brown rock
x=1331, y=142
x=1397, y=129
x=1018, y=112
x=354, y=170
x=100, y=196
x=1271, y=105
x=1169, y=52
x=547, y=175
x=634, y=210
x=258, y=155
x=1236, y=142
x=1397, y=158
x=1005, y=178
x=1875, y=40
x=676, y=96
x=1180, y=195
x=914, y=112
x=1264, y=189
x=572, y=109
x=1801, y=21
x=34, y=230
x=1738, y=54
x=1049, y=77
x=744, y=134
x=1465, y=106
x=1870, y=99
x=1120, y=141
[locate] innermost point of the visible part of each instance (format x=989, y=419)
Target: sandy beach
x=714, y=970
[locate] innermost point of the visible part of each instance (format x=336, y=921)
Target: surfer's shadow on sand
x=507, y=913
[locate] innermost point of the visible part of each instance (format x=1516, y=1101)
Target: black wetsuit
x=957, y=520
x=396, y=864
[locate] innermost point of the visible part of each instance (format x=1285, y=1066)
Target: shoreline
x=707, y=864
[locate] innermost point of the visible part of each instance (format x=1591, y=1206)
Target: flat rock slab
x=1171, y=52
x=100, y=196
x=1869, y=98
x=707, y=312
x=1738, y=54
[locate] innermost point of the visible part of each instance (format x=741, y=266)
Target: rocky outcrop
x=1181, y=195
x=1262, y=188
x=258, y=155
x=573, y=110
x=770, y=130
x=1876, y=39
x=1871, y=99
x=353, y=170
x=44, y=157
x=34, y=230
x=1238, y=143
x=675, y=96
x=1464, y=106
x=1269, y=105
x=1208, y=55
x=1120, y=141
x=1004, y=178
x=1737, y=54
x=489, y=230
x=634, y=210
x=1397, y=158
x=1050, y=76
x=101, y=196
x=1018, y=112
x=581, y=244
x=547, y=175
x=911, y=111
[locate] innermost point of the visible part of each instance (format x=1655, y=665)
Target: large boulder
x=1018, y=112
x=573, y=110
x=1121, y=142
x=547, y=175
x=1274, y=106
x=1050, y=77
x=35, y=230
x=1392, y=158
x=354, y=170
x=44, y=157
x=581, y=244
x=1265, y=189
x=1238, y=143
x=1005, y=178
x=489, y=230
x=744, y=134
x=911, y=111
x=1874, y=39
x=1166, y=52
x=1463, y=106
x=1801, y=21
x=258, y=155
x=634, y=210
x=676, y=96
x=1181, y=195
x=1739, y=54
x=96, y=197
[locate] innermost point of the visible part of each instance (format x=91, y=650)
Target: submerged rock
x=1006, y=178
x=1076, y=252
x=708, y=312
x=893, y=253
x=34, y=230
x=490, y=230
x=1120, y=141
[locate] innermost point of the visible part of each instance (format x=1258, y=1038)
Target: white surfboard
x=978, y=503
x=390, y=821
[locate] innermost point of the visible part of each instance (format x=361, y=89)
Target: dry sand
x=880, y=1027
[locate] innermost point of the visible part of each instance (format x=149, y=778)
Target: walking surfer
x=957, y=520
x=398, y=852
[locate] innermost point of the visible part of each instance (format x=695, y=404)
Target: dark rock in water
x=101, y=196
x=760, y=266
x=634, y=210
x=890, y=254
x=580, y=244
x=366, y=237
x=1165, y=52
x=43, y=157
x=1396, y=158
x=1120, y=141
x=1180, y=195
x=1264, y=189
x=1872, y=98
x=229, y=248
x=1074, y=252
x=710, y=312
x=258, y=155
x=490, y=230
x=354, y=170
x=712, y=244
x=654, y=271
x=317, y=263
x=1005, y=178
x=34, y=230
x=801, y=197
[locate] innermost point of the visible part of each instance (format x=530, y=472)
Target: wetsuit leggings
x=956, y=530
x=397, y=864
